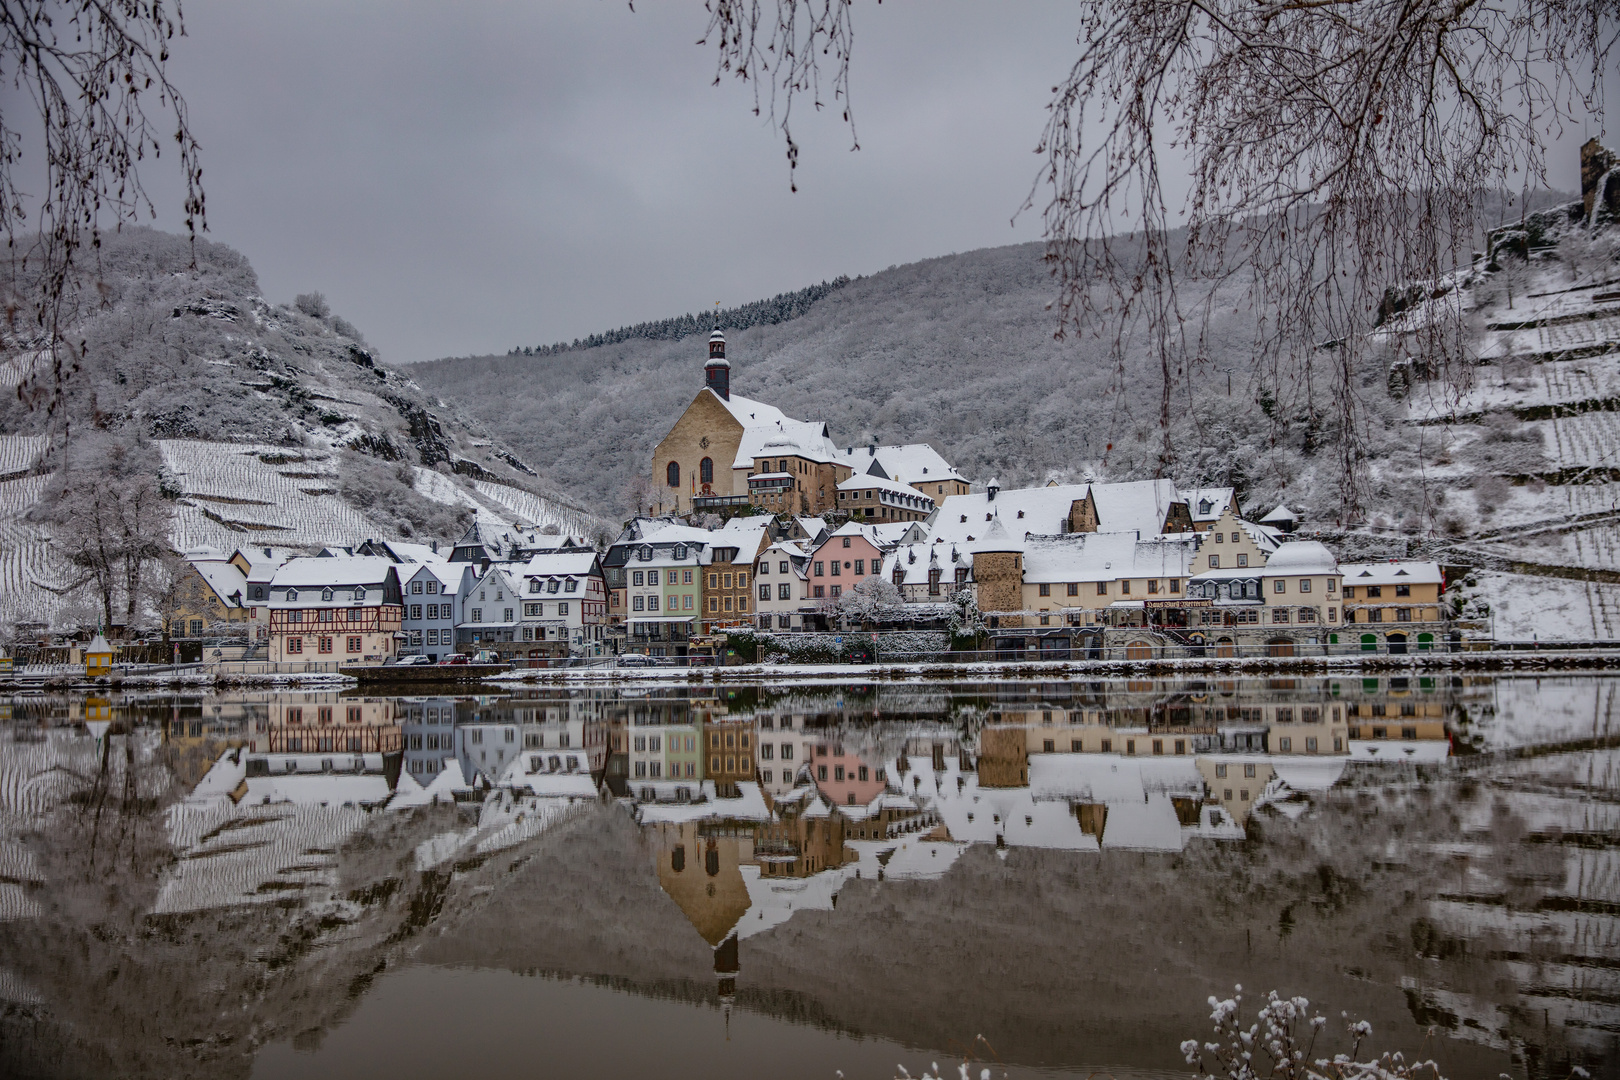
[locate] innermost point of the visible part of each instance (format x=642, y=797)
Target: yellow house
x=1393, y=592
x=212, y=591
x=98, y=658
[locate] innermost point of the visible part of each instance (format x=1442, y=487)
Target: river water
x=807, y=880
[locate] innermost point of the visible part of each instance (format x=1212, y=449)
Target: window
x=1153, y=586
x=1403, y=614
x=1243, y=560
x=1214, y=562
x=673, y=577
x=1102, y=588
x=416, y=587
x=1403, y=590
x=672, y=475
x=533, y=611
x=1046, y=590
x=1107, y=746
x=765, y=592
x=326, y=596
x=821, y=569
x=639, y=603
x=1074, y=588
x=714, y=581
x=1375, y=590
x=837, y=567
x=295, y=645
x=1285, y=744
x=714, y=605
x=1349, y=591
x=196, y=627
x=323, y=644
x=562, y=609
x=432, y=587
x=477, y=614
x=1248, y=770
x=652, y=603
x=782, y=567
x=846, y=539
x=1220, y=773
x=1175, y=585
x=680, y=551
x=292, y=594
x=1125, y=587
x=1279, y=615
x=571, y=585
x=506, y=615
x=416, y=611
x=686, y=602
x=742, y=581
x=860, y=567
x=726, y=581
x=354, y=644
x=821, y=592
x=360, y=594
x=1279, y=586
x=706, y=471
x=837, y=590
x=1305, y=584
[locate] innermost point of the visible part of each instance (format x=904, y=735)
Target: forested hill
x=957, y=351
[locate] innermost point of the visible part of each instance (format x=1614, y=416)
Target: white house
x=780, y=585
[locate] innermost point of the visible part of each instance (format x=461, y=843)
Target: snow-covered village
x=1147, y=609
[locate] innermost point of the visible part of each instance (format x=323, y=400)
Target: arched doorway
x=1397, y=643
x=1279, y=647
x=1369, y=642
x=1425, y=642
x=1139, y=650
x=1225, y=647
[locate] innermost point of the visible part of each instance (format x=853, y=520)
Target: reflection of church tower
x=703, y=875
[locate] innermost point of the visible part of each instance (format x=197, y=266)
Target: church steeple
x=717, y=372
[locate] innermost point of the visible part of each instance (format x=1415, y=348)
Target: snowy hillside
x=271, y=423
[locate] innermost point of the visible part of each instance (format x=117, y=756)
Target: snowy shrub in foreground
x=1280, y=1044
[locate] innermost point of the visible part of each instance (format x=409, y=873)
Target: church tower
x=717, y=372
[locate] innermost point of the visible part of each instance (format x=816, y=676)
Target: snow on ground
x=28, y=563
x=530, y=508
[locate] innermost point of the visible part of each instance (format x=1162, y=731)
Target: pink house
x=845, y=558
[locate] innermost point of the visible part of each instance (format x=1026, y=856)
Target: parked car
x=486, y=656
x=418, y=660
x=631, y=659
x=455, y=658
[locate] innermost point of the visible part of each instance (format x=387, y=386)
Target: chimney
x=717, y=372
x=991, y=489
x=871, y=451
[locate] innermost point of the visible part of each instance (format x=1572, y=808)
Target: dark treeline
x=779, y=308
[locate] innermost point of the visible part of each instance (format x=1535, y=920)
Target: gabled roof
x=1301, y=557
x=225, y=579
x=1045, y=510
x=785, y=438
x=907, y=463
x=1219, y=499
x=1280, y=516
x=557, y=564
x=1392, y=573
x=1139, y=506
x=315, y=573
x=750, y=413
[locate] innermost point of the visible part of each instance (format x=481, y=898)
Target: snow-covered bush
x=1281, y=1044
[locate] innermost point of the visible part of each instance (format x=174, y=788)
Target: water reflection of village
x=763, y=802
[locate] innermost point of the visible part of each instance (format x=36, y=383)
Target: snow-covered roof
x=368, y=570
x=882, y=536
x=909, y=463
x=1038, y=510
x=748, y=806
x=225, y=579
x=557, y=564
x=448, y=575
x=750, y=413
x=416, y=553
x=1139, y=506
x=915, y=560
x=785, y=438
x=1281, y=515
x=1105, y=557
x=996, y=538
x=1218, y=498
x=1301, y=557
x=98, y=644
x=860, y=482
x=1392, y=573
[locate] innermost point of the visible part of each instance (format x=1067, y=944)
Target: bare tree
x=870, y=598
x=90, y=69
x=109, y=520
x=1335, y=148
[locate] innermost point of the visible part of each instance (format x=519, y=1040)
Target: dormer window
x=326, y=596
x=359, y=594
x=645, y=554
x=552, y=585
x=572, y=585
x=680, y=551
x=534, y=585
x=1204, y=507
x=292, y=594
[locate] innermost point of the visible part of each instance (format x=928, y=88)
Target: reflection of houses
x=428, y=728
x=327, y=723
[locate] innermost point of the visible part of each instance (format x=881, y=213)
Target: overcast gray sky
x=462, y=178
